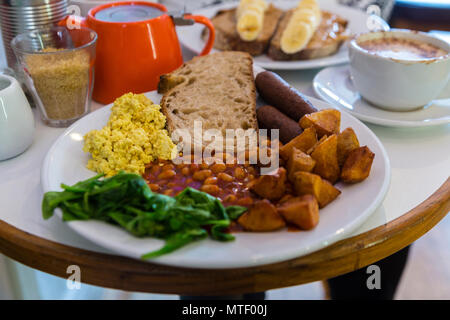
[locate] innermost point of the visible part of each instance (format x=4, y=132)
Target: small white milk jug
x=16, y=119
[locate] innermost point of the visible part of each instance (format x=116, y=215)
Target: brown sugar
x=61, y=81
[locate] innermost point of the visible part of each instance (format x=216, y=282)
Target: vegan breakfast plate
x=357, y=23
x=66, y=162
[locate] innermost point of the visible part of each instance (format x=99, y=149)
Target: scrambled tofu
x=133, y=137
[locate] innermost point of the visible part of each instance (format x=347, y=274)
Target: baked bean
x=166, y=174
x=228, y=181
x=211, y=180
x=225, y=177
x=201, y=174
x=162, y=182
x=154, y=187
x=204, y=166
x=246, y=201
x=210, y=188
x=168, y=167
x=180, y=166
x=168, y=192
x=230, y=198
x=218, y=167
x=185, y=171
x=239, y=173
x=251, y=170
x=154, y=170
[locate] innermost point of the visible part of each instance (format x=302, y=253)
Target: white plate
x=66, y=162
x=335, y=86
x=191, y=38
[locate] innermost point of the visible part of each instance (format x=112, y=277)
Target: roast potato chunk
x=302, y=212
x=262, y=216
x=309, y=183
x=310, y=150
x=304, y=141
x=326, y=122
x=346, y=142
x=299, y=161
x=357, y=165
x=325, y=155
x=271, y=186
x=327, y=193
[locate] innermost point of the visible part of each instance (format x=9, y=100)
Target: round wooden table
x=419, y=197
x=132, y=275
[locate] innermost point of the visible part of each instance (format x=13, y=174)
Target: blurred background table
x=421, y=15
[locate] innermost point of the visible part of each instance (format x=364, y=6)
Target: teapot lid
x=128, y=13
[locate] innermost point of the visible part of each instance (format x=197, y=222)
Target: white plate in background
x=190, y=36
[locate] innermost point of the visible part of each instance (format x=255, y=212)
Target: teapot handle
x=212, y=33
x=72, y=22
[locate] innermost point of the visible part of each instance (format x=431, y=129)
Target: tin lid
x=30, y=3
x=128, y=13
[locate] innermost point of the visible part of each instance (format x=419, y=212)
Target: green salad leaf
x=127, y=201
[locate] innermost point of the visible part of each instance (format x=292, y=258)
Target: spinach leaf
x=53, y=199
x=235, y=212
x=176, y=241
x=218, y=228
x=127, y=201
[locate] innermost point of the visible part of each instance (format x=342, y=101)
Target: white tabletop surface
x=420, y=160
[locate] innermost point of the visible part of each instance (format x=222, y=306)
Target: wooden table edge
x=133, y=275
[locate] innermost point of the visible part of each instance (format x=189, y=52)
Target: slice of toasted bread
x=326, y=40
x=227, y=38
x=218, y=89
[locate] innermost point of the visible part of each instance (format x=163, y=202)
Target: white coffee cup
x=16, y=119
x=398, y=84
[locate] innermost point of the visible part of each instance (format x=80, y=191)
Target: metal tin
x=19, y=16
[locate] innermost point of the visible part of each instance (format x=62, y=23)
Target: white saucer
x=335, y=86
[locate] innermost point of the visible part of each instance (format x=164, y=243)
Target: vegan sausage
x=271, y=118
x=278, y=93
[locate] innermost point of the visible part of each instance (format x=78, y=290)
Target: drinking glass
x=58, y=68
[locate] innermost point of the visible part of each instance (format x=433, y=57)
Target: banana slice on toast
x=250, y=18
x=301, y=27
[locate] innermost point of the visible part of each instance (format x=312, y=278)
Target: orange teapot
x=137, y=43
